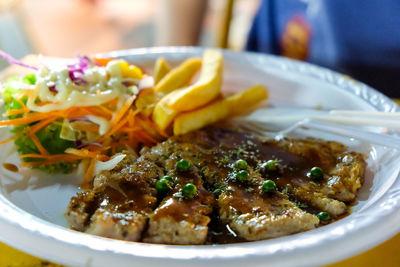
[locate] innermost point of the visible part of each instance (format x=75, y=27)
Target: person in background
x=360, y=38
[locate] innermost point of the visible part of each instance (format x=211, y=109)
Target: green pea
x=324, y=216
x=189, y=191
x=269, y=186
x=242, y=176
x=169, y=178
x=316, y=173
x=163, y=186
x=271, y=166
x=240, y=164
x=183, y=165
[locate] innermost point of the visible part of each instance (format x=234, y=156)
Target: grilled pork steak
x=123, y=203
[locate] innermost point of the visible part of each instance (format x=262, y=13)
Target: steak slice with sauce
x=123, y=202
x=119, y=203
x=178, y=220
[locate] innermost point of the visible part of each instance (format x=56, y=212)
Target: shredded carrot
x=143, y=137
x=84, y=153
x=49, y=157
x=113, y=102
x=114, y=129
x=38, y=145
x=89, y=127
x=154, y=126
x=121, y=143
x=131, y=122
x=89, y=173
x=8, y=140
x=29, y=118
x=16, y=111
x=102, y=61
x=106, y=110
x=123, y=110
x=44, y=103
x=97, y=112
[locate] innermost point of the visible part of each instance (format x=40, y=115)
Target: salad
x=82, y=113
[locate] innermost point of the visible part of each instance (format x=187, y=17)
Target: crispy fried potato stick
x=202, y=92
x=234, y=105
x=179, y=76
x=161, y=68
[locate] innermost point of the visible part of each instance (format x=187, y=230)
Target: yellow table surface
x=386, y=254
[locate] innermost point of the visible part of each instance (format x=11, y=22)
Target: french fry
x=204, y=90
x=234, y=105
x=179, y=76
x=161, y=68
x=243, y=101
x=163, y=116
x=197, y=119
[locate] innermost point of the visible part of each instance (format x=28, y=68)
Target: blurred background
x=63, y=28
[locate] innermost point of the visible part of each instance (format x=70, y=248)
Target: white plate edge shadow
x=98, y=250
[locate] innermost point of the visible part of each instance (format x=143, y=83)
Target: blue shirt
x=360, y=38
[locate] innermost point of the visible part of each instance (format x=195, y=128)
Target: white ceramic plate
x=32, y=204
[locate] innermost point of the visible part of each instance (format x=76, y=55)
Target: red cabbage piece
x=53, y=89
x=88, y=144
x=80, y=119
x=78, y=69
x=12, y=60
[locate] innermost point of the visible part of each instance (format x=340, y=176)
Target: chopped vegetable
x=183, y=165
x=164, y=185
x=269, y=186
x=324, y=216
x=240, y=164
x=316, y=174
x=242, y=176
x=189, y=191
x=270, y=166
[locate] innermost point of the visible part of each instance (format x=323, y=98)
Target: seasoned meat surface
x=123, y=203
x=176, y=220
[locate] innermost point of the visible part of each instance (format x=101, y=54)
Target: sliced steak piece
x=120, y=200
x=80, y=209
x=344, y=170
x=178, y=220
x=255, y=217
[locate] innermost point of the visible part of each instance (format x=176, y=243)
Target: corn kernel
x=130, y=71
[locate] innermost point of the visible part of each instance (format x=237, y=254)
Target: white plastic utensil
x=348, y=117
x=262, y=127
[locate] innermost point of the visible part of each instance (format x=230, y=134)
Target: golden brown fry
x=161, y=68
x=197, y=119
x=179, y=76
x=245, y=100
x=234, y=105
x=206, y=89
x=163, y=116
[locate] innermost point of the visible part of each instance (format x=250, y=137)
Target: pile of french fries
x=178, y=104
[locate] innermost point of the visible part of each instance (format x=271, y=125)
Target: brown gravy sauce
x=10, y=167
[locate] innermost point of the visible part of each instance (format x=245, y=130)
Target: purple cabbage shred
x=13, y=61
